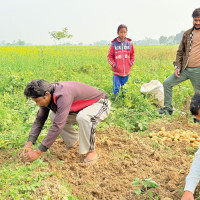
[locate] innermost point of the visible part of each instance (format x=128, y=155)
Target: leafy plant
x=145, y=186
x=21, y=180
x=88, y=64
x=60, y=34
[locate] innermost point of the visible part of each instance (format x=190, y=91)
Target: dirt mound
x=123, y=157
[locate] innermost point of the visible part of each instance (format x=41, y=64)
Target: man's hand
x=177, y=72
x=26, y=148
x=32, y=155
x=187, y=196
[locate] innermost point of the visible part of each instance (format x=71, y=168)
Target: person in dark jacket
x=187, y=64
x=70, y=102
x=121, y=57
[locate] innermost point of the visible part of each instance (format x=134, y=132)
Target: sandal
x=92, y=159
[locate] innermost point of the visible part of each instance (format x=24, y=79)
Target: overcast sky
x=93, y=20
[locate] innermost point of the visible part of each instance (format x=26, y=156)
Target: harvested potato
x=192, y=138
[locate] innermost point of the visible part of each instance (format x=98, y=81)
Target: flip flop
x=92, y=159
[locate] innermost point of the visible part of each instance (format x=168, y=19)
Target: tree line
x=163, y=40
x=62, y=35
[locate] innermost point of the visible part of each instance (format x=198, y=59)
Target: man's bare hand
x=187, y=196
x=177, y=72
x=26, y=148
x=32, y=155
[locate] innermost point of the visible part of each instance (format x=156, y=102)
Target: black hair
x=120, y=27
x=196, y=13
x=38, y=88
x=195, y=104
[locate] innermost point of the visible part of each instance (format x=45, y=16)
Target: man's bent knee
x=167, y=83
x=81, y=117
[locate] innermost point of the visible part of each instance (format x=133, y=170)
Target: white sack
x=155, y=88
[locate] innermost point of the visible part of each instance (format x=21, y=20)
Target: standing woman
x=121, y=57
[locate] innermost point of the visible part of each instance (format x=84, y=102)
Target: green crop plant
x=88, y=64
x=21, y=180
x=145, y=186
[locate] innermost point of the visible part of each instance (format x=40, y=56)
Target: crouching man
x=70, y=102
x=193, y=177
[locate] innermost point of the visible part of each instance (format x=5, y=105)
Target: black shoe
x=196, y=120
x=165, y=111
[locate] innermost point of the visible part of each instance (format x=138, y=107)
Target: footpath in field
x=123, y=157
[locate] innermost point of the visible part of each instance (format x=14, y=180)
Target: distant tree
x=68, y=43
x=3, y=42
x=150, y=41
x=20, y=42
x=146, y=41
x=170, y=39
x=101, y=42
x=178, y=37
x=59, y=35
x=163, y=40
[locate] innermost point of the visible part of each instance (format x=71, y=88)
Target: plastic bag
x=155, y=88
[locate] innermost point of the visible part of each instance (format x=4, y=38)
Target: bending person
x=70, y=102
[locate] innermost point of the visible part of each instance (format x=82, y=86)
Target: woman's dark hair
x=195, y=104
x=196, y=13
x=120, y=27
x=38, y=88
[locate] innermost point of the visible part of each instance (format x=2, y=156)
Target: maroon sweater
x=68, y=96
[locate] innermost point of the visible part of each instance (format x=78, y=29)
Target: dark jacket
x=182, y=55
x=121, y=56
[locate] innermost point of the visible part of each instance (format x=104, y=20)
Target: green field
x=88, y=64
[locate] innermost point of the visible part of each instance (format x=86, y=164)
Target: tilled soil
x=123, y=157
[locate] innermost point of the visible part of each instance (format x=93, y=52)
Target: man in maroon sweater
x=70, y=102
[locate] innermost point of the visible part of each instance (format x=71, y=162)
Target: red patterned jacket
x=121, y=56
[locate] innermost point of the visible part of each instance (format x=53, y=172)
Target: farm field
x=123, y=140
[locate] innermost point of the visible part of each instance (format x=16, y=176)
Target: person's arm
x=35, y=130
x=193, y=177
x=132, y=55
x=177, y=72
x=26, y=148
x=58, y=124
x=180, y=52
x=187, y=196
x=32, y=155
x=111, y=56
x=63, y=107
x=38, y=124
x=179, y=57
